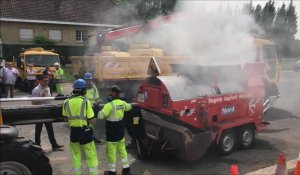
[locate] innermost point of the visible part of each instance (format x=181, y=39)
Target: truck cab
x=266, y=53
x=39, y=58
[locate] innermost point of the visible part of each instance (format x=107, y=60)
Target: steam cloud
x=213, y=38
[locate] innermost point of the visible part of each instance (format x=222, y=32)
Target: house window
x=55, y=35
x=81, y=35
x=26, y=34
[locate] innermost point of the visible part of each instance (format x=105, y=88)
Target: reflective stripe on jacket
x=114, y=113
x=114, y=110
x=92, y=94
x=78, y=109
x=59, y=73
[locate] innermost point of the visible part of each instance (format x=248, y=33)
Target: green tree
x=291, y=21
x=248, y=8
x=41, y=40
x=167, y=6
x=257, y=14
x=279, y=31
x=268, y=14
x=148, y=9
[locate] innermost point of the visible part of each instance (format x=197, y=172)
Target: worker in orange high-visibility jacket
x=79, y=113
x=113, y=112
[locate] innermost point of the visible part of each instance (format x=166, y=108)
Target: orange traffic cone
x=297, y=168
x=234, y=170
x=281, y=165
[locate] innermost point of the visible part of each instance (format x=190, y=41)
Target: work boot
x=109, y=173
x=126, y=171
x=57, y=147
x=59, y=95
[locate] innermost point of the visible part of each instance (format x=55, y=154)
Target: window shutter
x=55, y=35
x=26, y=34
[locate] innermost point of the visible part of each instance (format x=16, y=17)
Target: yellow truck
x=39, y=58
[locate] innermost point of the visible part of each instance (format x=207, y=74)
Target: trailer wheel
x=14, y=168
x=227, y=142
x=246, y=137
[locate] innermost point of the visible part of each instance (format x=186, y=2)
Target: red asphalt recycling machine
x=184, y=113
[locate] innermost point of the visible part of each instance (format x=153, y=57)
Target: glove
x=109, y=98
x=96, y=108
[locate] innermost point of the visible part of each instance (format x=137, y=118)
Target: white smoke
x=212, y=37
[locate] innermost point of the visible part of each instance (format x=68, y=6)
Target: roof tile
x=81, y=11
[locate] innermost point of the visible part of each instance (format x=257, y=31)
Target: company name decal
x=228, y=110
x=227, y=98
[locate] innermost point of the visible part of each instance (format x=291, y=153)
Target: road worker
x=58, y=75
x=92, y=94
x=79, y=113
x=113, y=111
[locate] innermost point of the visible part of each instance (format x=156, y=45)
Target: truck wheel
x=246, y=137
x=227, y=142
x=13, y=168
x=141, y=153
x=21, y=153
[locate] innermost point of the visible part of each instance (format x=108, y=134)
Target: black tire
x=26, y=153
x=227, y=142
x=246, y=137
x=14, y=168
x=141, y=151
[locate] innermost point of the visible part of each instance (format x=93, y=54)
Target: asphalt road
x=283, y=135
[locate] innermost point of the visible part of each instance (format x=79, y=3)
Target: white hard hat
x=56, y=64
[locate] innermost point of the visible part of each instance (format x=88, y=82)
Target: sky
x=238, y=4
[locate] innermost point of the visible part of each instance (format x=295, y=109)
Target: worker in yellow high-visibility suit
x=92, y=94
x=58, y=75
x=79, y=113
x=113, y=112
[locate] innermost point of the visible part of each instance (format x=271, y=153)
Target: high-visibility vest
x=59, y=73
x=114, y=110
x=78, y=110
x=92, y=94
x=114, y=113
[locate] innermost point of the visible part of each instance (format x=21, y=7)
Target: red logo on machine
x=252, y=109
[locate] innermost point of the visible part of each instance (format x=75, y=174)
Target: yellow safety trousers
x=90, y=153
x=59, y=88
x=111, y=149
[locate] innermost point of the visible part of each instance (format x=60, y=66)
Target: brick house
x=67, y=22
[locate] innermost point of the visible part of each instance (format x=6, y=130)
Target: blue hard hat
x=79, y=84
x=88, y=76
